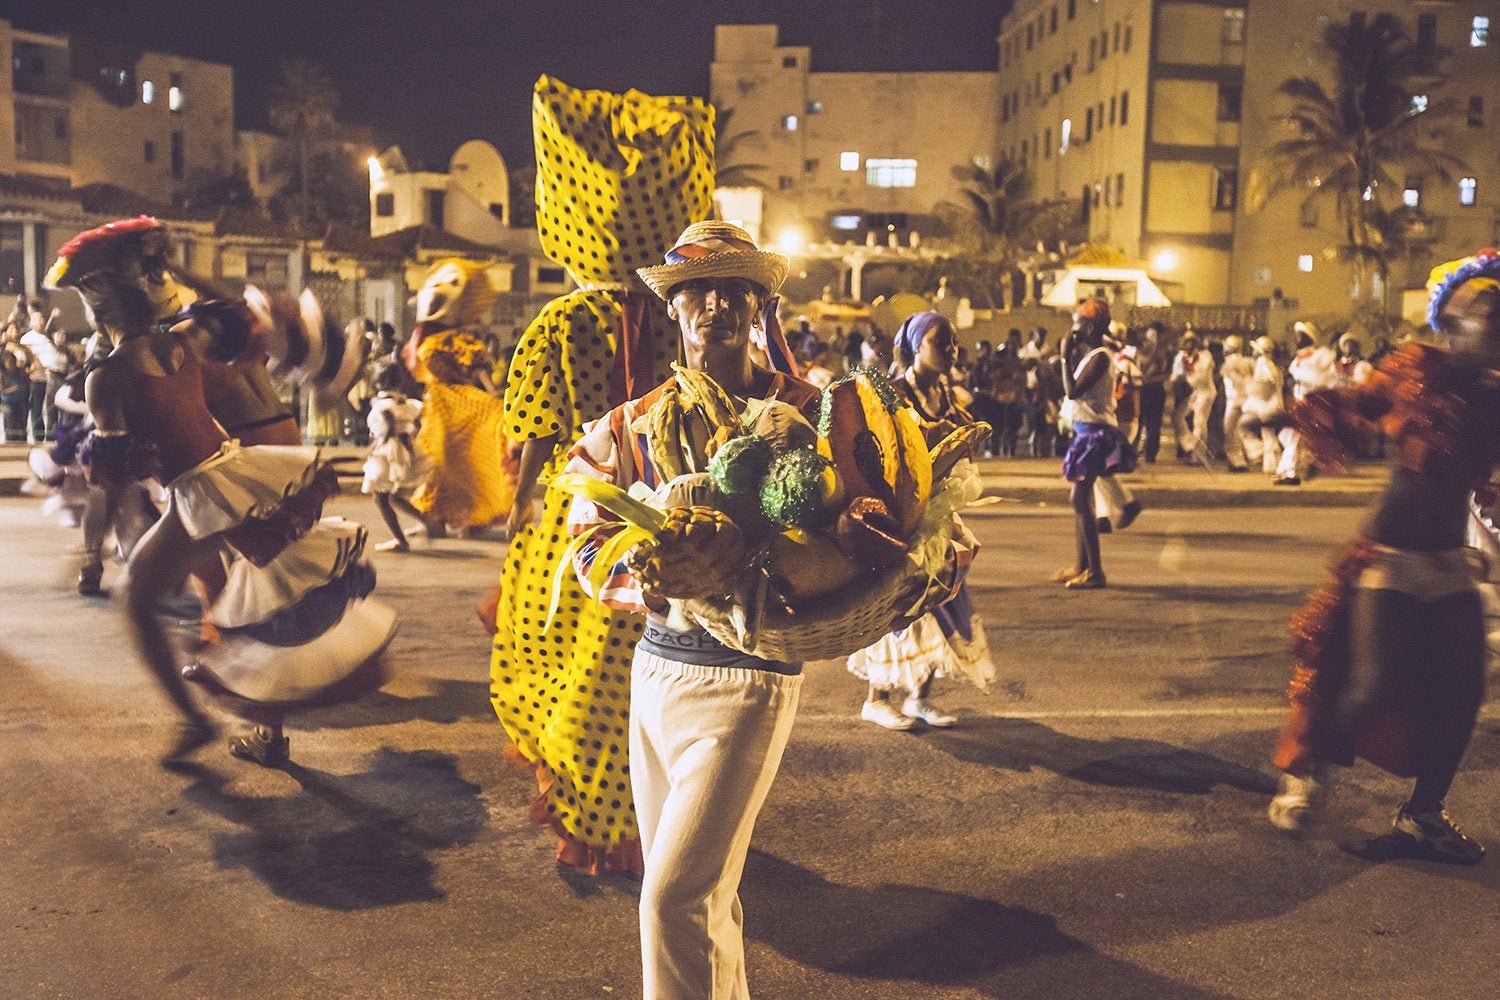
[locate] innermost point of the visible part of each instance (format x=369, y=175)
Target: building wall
x=1270, y=242
x=800, y=124
x=1056, y=77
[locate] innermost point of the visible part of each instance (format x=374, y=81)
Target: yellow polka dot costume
x=618, y=177
x=461, y=432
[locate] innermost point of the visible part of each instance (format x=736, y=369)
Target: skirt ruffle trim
x=238, y=484
x=623, y=859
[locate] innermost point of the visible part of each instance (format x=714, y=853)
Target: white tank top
x=1097, y=405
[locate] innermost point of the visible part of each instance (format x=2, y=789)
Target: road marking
x=1118, y=713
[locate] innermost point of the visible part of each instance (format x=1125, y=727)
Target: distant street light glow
x=1166, y=260
x=791, y=241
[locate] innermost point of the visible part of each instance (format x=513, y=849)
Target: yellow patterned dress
x=563, y=695
x=462, y=434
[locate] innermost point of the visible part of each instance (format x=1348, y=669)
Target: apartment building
x=842, y=156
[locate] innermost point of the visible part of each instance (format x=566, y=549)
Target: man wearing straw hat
x=708, y=723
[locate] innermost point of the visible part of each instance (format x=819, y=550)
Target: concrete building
x=1155, y=112
x=843, y=156
x=81, y=111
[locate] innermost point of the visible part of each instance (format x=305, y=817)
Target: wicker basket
x=837, y=625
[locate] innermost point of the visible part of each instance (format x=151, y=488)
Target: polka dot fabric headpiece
x=618, y=176
x=1448, y=278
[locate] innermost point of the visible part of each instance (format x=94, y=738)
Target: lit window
x=174, y=92
x=1418, y=103
x=148, y=91
x=846, y=222
x=1234, y=26
x=1479, y=35
x=1467, y=187
x=848, y=161
x=814, y=107
x=1230, y=99
x=1304, y=263
x=1067, y=135
x=1226, y=184
x=891, y=173
x=789, y=123
x=1411, y=197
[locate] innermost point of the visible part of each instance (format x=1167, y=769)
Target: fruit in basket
x=868, y=534
x=804, y=565
x=697, y=553
x=741, y=465
x=802, y=489
x=876, y=443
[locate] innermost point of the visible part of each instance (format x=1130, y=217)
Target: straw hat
x=716, y=249
x=1263, y=344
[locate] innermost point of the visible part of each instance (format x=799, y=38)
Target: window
x=1119, y=189
x=433, y=199
x=1072, y=9
x=1025, y=152
x=1412, y=196
x=1476, y=112
x=789, y=122
x=1427, y=30
x=148, y=151
x=1067, y=70
x=148, y=91
x=1309, y=215
x=1088, y=124
x=848, y=161
x=1418, y=103
x=1479, y=33
x=385, y=204
x=1052, y=22
x=1229, y=102
x=179, y=157
x=1226, y=183
x=1467, y=187
x=788, y=62
x=1103, y=45
x=783, y=183
x=846, y=223
x=1067, y=135
x=1125, y=107
x=1046, y=144
x=1030, y=36
x=1109, y=191
x=814, y=108
x=1056, y=82
x=1128, y=33
x=808, y=166
x=1093, y=52
x=1304, y=263
x=1098, y=193
x=1233, y=31
x=1004, y=108
x=174, y=92
x=551, y=276
x=1117, y=37
x=891, y=173
x=60, y=126
x=1111, y=110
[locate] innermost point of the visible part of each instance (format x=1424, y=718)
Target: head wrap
x=914, y=329
x=1095, y=309
x=1447, y=278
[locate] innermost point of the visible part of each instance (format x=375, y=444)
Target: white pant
x=705, y=744
x=1199, y=404
x=1110, y=498
x=1234, y=448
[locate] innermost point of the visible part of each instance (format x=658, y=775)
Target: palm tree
x=302, y=105
x=1357, y=143
x=995, y=196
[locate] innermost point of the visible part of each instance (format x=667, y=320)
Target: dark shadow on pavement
x=1022, y=744
x=1231, y=596
x=928, y=936
x=352, y=842
x=450, y=701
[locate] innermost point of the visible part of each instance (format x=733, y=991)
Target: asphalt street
x=1093, y=827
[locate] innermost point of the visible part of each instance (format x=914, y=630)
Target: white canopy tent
x=1076, y=283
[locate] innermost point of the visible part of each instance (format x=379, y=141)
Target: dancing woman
x=1391, y=651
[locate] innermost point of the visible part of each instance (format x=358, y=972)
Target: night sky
x=430, y=76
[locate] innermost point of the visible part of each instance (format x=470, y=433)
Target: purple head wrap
x=914, y=330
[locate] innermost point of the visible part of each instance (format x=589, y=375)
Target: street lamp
x=1165, y=260
x=791, y=241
